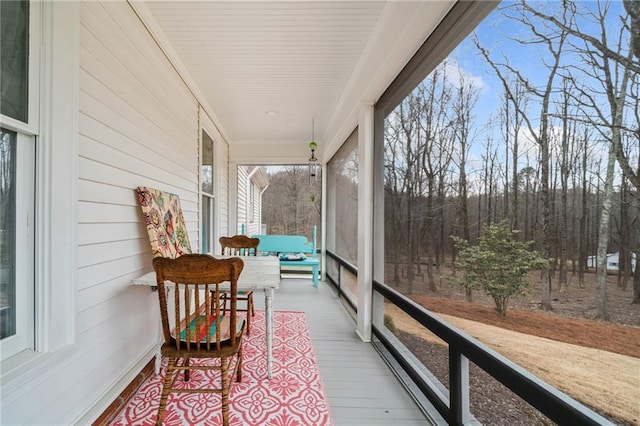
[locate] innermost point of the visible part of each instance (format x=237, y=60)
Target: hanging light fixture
x=313, y=161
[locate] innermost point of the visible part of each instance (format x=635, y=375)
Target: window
x=207, y=196
x=17, y=179
x=342, y=209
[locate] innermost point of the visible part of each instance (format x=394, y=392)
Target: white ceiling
x=305, y=60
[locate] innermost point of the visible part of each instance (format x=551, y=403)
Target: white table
x=259, y=273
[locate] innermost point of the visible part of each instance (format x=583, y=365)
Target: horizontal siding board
x=122, y=132
x=95, y=254
x=107, y=310
x=140, y=77
x=99, y=213
x=97, y=81
x=57, y=387
x=95, y=170
x=100, y=192
x=109, y=272
x=96, y=233
x=99, y=100
x=155, y=63
x=90, y=370
x=144, y=320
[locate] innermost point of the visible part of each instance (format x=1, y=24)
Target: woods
x=291, y=206
x=532, y=120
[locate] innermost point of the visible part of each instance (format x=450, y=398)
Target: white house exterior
x=252, y=182
x=613, y=260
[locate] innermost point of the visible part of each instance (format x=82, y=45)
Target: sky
x=497, y=34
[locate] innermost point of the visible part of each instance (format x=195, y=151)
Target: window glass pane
x=342, y=205
x=14, y=58
x=7, y=233
x=207, y=220
x=207, y=164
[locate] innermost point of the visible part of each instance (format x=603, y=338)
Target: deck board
x=360, y=387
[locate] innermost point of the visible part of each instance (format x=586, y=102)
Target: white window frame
x=24, y=249
x=206, y=197
x=53, y=110
x=27, y=133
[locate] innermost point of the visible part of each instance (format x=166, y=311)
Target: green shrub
x=498, y=264
x=388, y=322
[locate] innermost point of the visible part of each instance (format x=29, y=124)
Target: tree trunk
x=603, y=238
x=636, y=280
x=582, y=249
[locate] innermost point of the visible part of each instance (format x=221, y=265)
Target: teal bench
x=282, y=245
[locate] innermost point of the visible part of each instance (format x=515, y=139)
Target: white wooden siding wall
x=254, y=225
x=137, y=126
x=243, y=197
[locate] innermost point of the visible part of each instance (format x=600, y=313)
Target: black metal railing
x=337, y=281
x=556, y=405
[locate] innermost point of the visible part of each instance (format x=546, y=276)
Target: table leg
x=268, y=303
x=158, y=352
x=158, y=360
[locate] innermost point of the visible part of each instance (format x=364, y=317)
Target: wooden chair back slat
x=192, y=274
x=239, y=245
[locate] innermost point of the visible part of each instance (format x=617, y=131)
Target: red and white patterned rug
x=293, y=397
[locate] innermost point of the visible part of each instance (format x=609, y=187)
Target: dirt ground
x=595, y=362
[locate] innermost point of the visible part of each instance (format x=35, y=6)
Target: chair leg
x=253, y=312
x=248, y=319
x=166, y=389
x=224, y=369
x=239, y=355
x=186, y=371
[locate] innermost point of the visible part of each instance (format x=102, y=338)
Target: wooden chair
x=240, y=245
x=196, y=328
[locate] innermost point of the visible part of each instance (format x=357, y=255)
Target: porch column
x=365, y=221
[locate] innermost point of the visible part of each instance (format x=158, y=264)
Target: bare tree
x=539, y=130
x=614, y=77
x=435, y=155
x=395, y=187
x=287, y=204
x=583, y=247
x=606, y=55
x=463, y=105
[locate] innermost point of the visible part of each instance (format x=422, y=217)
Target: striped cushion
x=209, y=323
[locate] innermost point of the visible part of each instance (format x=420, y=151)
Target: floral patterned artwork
x=165, y=222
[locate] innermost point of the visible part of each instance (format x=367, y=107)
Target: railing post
x=315, y=229
x=458, y=387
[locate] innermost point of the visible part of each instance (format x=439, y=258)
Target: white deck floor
x=360, y=387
